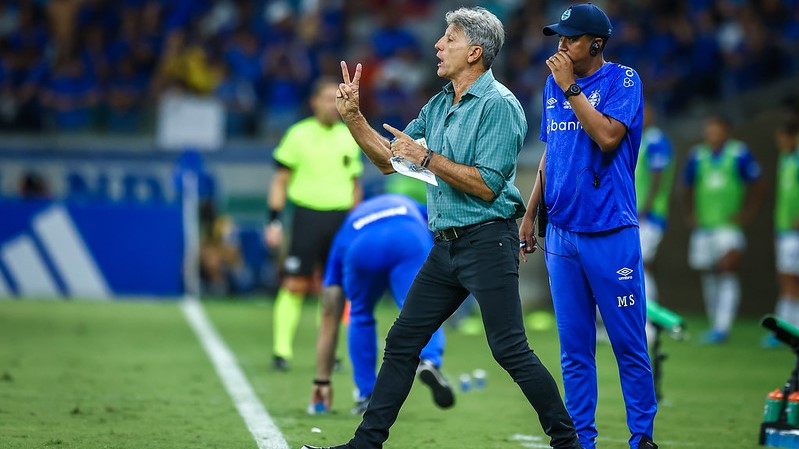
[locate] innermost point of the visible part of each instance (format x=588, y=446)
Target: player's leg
x=310, y=231
x=363, y=287
x=286, y=317
x=615, y=272
x=788, y=269
x=575, y=313
x=731, y=244
x=651, y=236
x=702, y=256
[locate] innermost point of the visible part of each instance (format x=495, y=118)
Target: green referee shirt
x=324, y=163
x=485, y=130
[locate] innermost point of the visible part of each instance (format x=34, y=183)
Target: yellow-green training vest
x=719, y=189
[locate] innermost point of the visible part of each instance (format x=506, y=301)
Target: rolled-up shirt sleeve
x=499, y=138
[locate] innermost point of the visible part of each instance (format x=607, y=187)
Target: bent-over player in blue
x=382, y=244
x=592, y=123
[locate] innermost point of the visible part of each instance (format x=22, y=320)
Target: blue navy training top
x=588, y=190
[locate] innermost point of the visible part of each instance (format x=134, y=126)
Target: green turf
x=133, y=375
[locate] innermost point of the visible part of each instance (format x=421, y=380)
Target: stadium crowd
x=101, y=65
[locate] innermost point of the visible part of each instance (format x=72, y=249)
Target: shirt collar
x=478, y=88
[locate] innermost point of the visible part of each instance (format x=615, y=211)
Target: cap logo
x=566, y=14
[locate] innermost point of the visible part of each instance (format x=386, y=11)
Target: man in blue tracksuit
x=382, y=244
x=592, y=123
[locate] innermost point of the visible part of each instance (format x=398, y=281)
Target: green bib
x=786, y=210
x=719, y=190
x=643, y=178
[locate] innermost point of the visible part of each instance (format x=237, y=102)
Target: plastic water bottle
x=771, y=412
x=479, y=376
x=792, y=408
x=465, y=382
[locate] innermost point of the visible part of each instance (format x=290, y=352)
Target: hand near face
x=348, y=98
x=562, y=68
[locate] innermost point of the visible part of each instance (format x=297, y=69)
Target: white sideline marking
x=258, y=421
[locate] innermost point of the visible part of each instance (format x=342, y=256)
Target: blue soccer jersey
x=578, y=173
x=370, y=212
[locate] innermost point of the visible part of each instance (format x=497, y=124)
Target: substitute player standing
x=720, y=203
x=592, y=124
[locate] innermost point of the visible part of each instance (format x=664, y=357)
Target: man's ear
x=475, y=54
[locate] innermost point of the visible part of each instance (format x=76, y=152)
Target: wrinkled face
x=715, y=133
x=323, y=105
x=453, y=53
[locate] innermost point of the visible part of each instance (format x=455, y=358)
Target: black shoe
x=646, y=443
x=280, y=364
x=432, y=377
x=361, y=405
x=340, y=446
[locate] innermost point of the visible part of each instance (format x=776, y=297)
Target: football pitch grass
x=127, y=374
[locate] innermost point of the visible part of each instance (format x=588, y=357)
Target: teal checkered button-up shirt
x=484, y=130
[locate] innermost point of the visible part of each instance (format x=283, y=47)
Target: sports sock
x=710, y=296
x=288, y=308
x=729, y=296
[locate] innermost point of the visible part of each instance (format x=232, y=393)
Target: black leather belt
x=459, y=231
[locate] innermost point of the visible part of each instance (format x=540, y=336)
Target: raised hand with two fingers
x=348, y=97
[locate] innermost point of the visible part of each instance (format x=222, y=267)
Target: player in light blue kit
x=592, y=124
x=382, y=244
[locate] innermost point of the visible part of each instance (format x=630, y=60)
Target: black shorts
x=312, y=233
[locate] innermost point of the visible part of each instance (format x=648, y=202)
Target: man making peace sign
x=474, y=130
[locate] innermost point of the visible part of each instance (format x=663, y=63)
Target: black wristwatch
x=573, y=90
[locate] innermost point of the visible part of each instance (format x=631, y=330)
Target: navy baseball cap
x=585, y=18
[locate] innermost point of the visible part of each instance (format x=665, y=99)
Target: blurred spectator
x=70, y=95
x=125, y=95
x=33, y=185
x=222, y=271
x=390, y=36
x=685, y=50
x=239, y=98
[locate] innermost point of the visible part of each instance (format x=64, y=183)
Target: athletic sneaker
x=360, y=405
x=432, y=377
x=280, y=364
x=646, y=443
x=714, y=337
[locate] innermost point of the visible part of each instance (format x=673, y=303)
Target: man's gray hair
x=481, y=28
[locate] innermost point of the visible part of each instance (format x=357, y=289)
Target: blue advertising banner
x=90, y=249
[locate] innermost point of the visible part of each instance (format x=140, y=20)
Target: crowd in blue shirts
x=101, y=65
